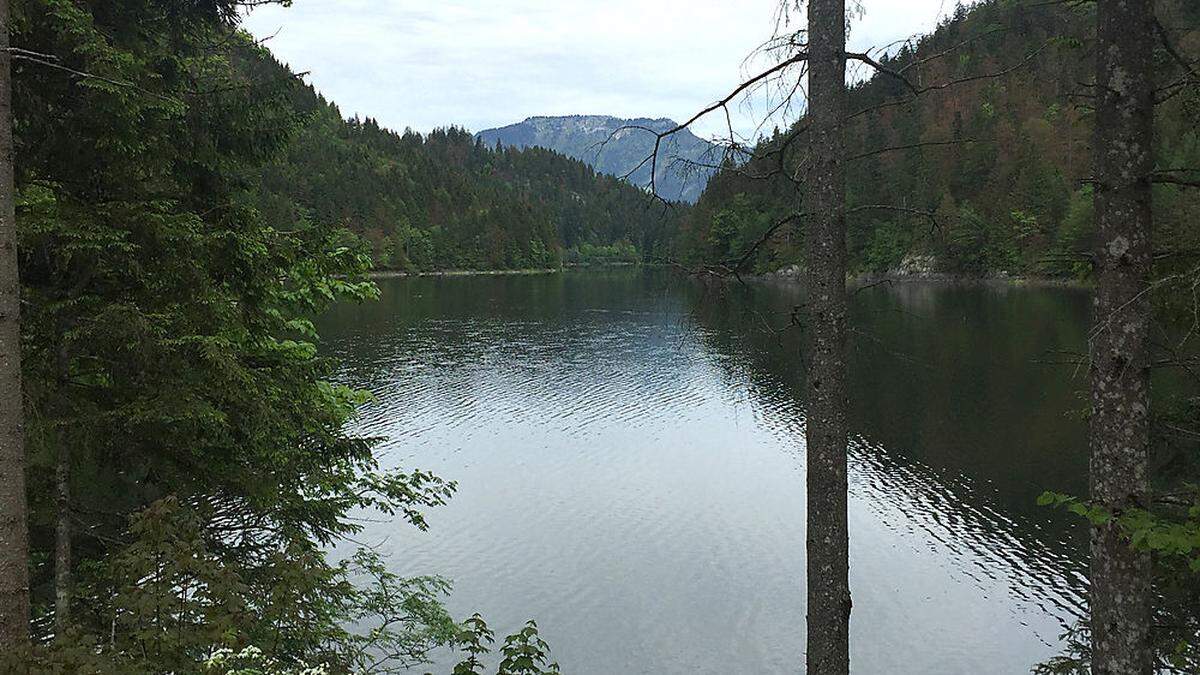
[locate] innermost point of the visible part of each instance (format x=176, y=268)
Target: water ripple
x=631, y=471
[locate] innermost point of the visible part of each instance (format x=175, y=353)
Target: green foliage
x=523, y=652
x=889, y=243
x=1171, y=534
x=592, y=254
x=169, y=343
x=1076, y=237
x=731, y=229
x=1158, y=533
x=972, y=245
x=727, y=226
x=474, y=639
x=1094, y=514
x=1165, y=535
x=526, y=653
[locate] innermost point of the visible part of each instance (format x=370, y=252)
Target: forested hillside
x=984, y=173
x=447, y=201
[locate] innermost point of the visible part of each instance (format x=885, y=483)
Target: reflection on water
x=629, y=449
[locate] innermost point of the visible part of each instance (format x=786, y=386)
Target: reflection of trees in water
x=965, y=428
x=592, y=349
x=955, y=384
x=947, y=405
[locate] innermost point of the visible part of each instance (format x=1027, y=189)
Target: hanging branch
x=52, y=61
x=924, y=213
x=911, y=146
x=1167, y=177
x=951, y=83
x=880, y=68
x=659, y=136
x=741, y=262
x=1188, y=67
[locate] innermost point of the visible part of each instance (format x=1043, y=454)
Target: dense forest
x=444, y=200
x=181, y=205
x=984, y=173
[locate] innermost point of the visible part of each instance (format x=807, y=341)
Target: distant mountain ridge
x=583, y=137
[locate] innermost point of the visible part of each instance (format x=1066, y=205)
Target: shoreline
x=392, y=274
x=953, y=280
x=787, y=276
x=861, y=281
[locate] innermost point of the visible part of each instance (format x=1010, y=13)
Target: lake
x=629, y=450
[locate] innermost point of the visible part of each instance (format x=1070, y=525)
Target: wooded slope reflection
x=630, y=456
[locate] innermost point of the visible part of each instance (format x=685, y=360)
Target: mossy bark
x=1120, y=337
x=14, y=536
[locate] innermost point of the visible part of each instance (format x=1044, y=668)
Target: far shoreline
x=867, y=280
x=853, y=282
x=525, y=271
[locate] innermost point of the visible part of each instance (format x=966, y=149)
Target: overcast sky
x=486, y=63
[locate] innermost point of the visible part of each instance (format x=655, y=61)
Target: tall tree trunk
x=1120, y=364
x=62, y=539
x=825, y=432
x=62, y=491
x=14, y=537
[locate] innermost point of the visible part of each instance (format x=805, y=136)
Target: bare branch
x=952, y=83
x=652, y=159
x=895, y=74
x=910, y=146
x=749, y=253
x=1188, y=69
x=929, y=215
x=1166, y=178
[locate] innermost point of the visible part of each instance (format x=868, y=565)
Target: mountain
x=615, y=146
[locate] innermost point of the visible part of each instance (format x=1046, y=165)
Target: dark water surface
x=630, y=458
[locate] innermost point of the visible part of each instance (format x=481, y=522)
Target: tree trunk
x=825, y=431
x=62, y=539
x=14, y=537
x=62, y=490
x=1119, y=349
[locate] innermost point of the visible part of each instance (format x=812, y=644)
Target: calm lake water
x=630, y=457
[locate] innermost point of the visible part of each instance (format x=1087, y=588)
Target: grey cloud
x=479, y=63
